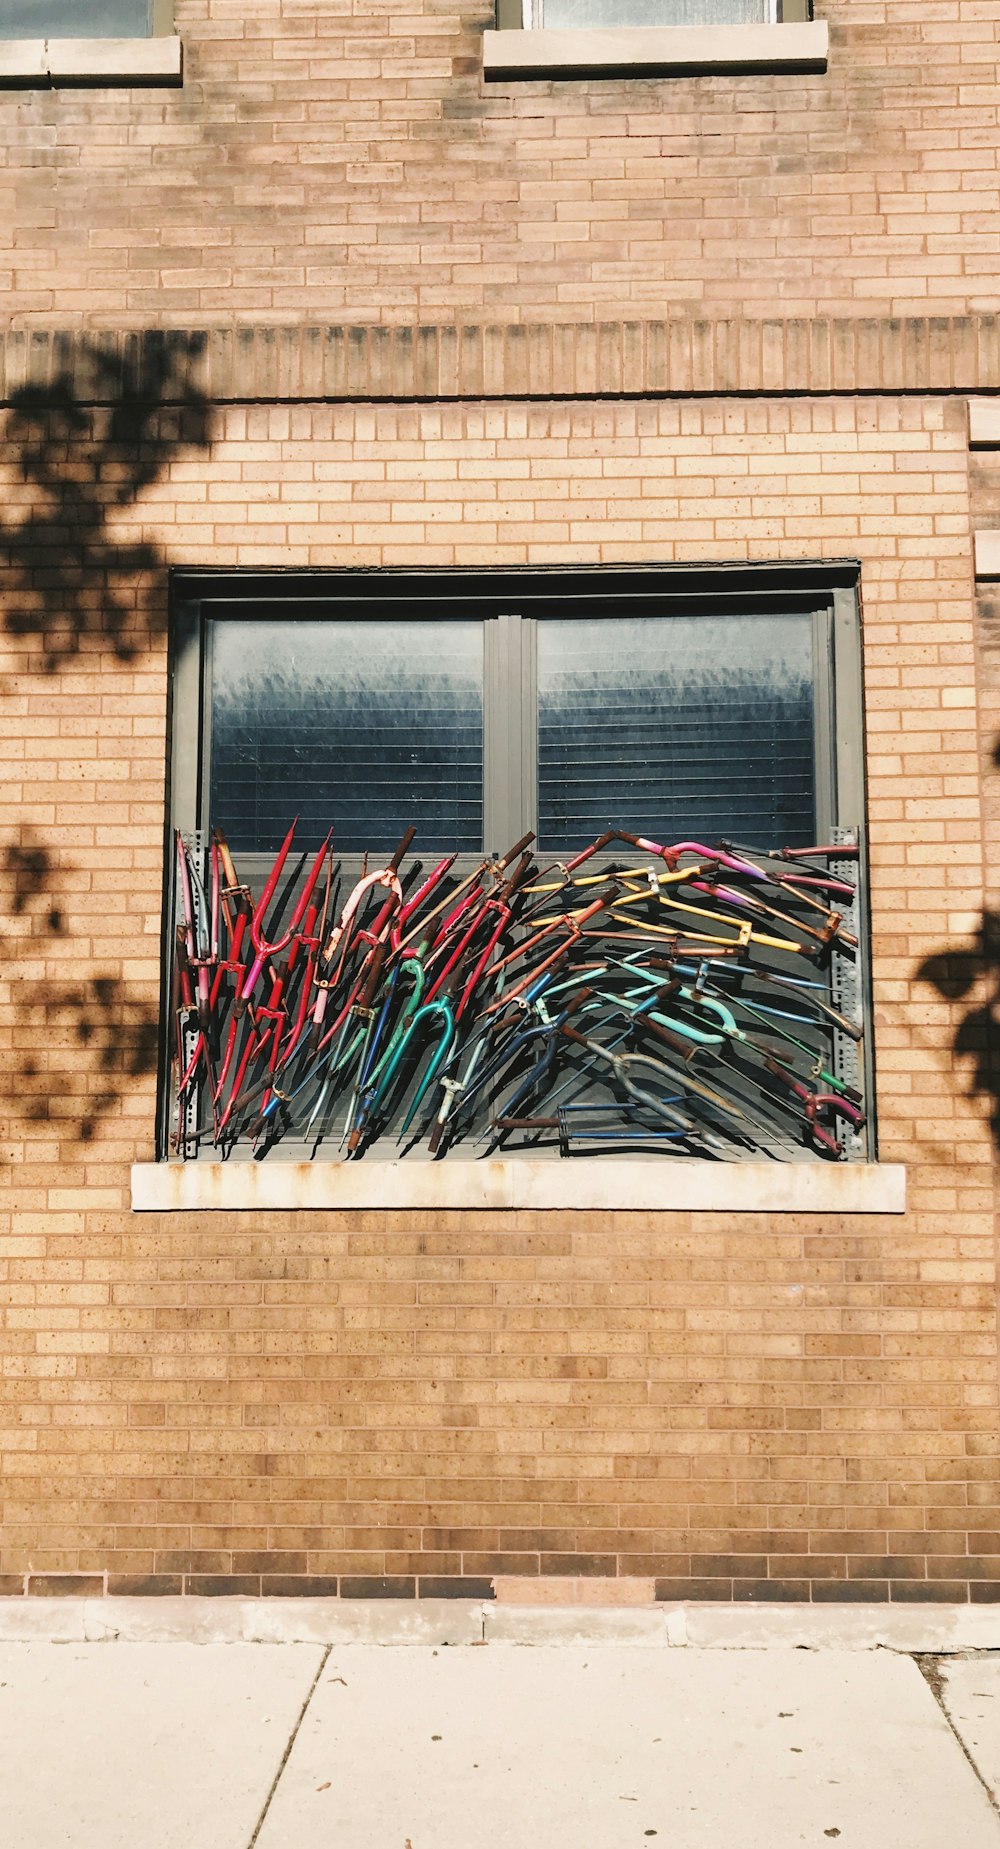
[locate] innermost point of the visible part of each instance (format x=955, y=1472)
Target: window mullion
x=528, y=730
x=509, y=738
x=824, y=742
x=847, y=704
x=188, y=743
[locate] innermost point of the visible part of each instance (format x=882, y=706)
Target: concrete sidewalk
x=602, y=1743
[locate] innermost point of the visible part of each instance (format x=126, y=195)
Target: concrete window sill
x=48, y=63
x=984, y=423
x=986, y=549
x=655, y=50
x=601, y=1185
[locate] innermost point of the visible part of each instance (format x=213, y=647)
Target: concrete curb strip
x=936, y=1629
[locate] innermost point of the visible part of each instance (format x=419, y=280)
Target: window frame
x=509, y=771
x=831, y=590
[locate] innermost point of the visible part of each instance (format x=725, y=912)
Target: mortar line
x=929, y=1667
x=293, y=1736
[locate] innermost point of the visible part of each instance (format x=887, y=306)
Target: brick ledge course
x=256, y=363
x=576, y=1580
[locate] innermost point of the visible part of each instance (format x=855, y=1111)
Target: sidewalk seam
x=930, y=1668
x=293, y=1736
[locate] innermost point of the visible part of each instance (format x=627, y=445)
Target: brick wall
x=725, y=1406
x=326, y=163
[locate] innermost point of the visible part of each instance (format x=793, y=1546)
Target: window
x=564, y=716
x=583, y=14
x=539, y=38
x=111, y=19
x=107, y=43
x=677, y=705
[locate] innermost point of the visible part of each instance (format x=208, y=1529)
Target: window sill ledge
x=48, y=63
x=984, y=423
x=986, y=552
x=653, y=50
x=601, y=1185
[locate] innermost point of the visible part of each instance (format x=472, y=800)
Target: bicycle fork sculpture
x=678, y=997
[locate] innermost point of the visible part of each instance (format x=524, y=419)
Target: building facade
x=308, y=302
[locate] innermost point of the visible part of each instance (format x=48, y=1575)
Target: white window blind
x=577, y=14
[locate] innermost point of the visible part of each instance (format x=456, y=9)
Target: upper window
x=110, y=19
x=108, y=43
x=560, y=38
x=675, y=961
x=676, y=723
x=589, y=13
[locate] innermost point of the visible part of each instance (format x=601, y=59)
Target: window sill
x=986, y=552
x=653, y=50
x=599, y=1184
x=48, y=63
x=984, y=423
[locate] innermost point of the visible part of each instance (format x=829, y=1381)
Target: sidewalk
x=600, y=1734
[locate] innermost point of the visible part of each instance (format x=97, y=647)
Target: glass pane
x=74, y=19
x=579, y=13
x=678, y=727
x=362, y=726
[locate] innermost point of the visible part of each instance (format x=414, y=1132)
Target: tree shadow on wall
x=955, y=974
x=85, y=445
x=83, y=461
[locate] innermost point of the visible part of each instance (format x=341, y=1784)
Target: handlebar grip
x=519, y=875
x=402, y=848
x=596, y=847
x=228, y=865
x=518, y=848
x=666, y=960
x=685, y=1049
x=374, y=975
